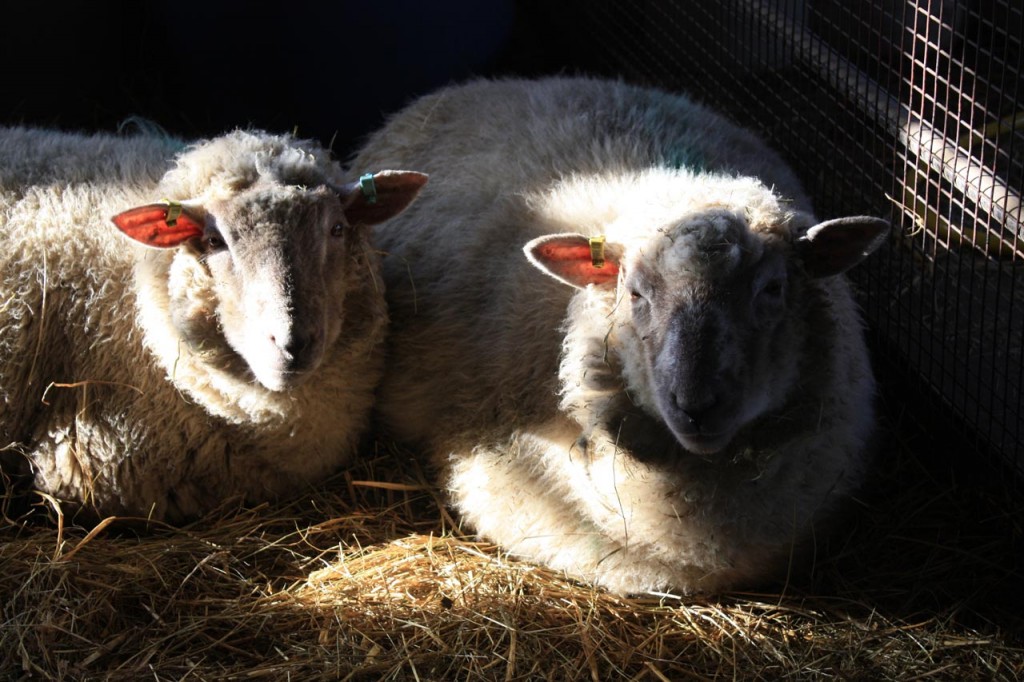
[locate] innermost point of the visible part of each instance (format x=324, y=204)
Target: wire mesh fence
x=909, y=109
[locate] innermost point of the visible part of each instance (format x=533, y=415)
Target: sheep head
x=709, y=312
x=263, y=262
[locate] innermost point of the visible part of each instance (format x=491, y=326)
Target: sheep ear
x=572, y=259
x=835, y=246
x=377, y=197
x=161, y=226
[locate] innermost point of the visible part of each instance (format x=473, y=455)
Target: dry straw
x=367, y=578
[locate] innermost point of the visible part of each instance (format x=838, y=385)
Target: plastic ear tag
x=597, y=251
x=173, y=212
x=369, y=188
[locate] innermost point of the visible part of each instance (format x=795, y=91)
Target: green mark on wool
x=679, y=149
x=137, y=125
x=683, y=156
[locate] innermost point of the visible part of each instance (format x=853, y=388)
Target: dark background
x=329, y=71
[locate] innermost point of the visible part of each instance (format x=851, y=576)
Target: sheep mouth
x=650, y=437
x=707, y=435
x=285, y=380
x=705, y=444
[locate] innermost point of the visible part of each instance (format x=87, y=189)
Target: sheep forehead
x=710, y=245
x=269, y=207
x=232, y=163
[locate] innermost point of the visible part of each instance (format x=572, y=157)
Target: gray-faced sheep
x=678, y=405
x=221, y=338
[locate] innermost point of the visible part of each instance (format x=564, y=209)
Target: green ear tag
x=369, y=188
x=173, y=212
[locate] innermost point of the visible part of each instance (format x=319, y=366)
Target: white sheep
x=222, y=338
x=678, y=406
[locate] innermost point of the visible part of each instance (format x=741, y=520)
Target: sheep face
x=708, y=313
x=708, y=304
x=257, y=284
x=276, y=258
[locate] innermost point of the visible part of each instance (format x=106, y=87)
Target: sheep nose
x=296, y=348
x=695, y=410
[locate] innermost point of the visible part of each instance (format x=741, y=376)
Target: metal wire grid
x=904, y=108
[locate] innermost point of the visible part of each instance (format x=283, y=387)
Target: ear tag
x=369, y=188
x=173, y=212
x=597, y=251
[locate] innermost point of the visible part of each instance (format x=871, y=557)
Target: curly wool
x=226, y=165
x=101, y=398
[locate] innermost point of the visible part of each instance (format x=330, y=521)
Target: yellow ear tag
x=597, y=251
x=173, y=212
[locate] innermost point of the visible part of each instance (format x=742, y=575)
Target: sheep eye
x=214, y=242
x=637, y=299
x=773, y=288
x=338, y=230
x=771, y=296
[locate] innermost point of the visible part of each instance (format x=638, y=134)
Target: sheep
x=620, y=335
x=183, y=326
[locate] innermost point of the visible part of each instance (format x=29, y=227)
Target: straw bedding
x=368, y=578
